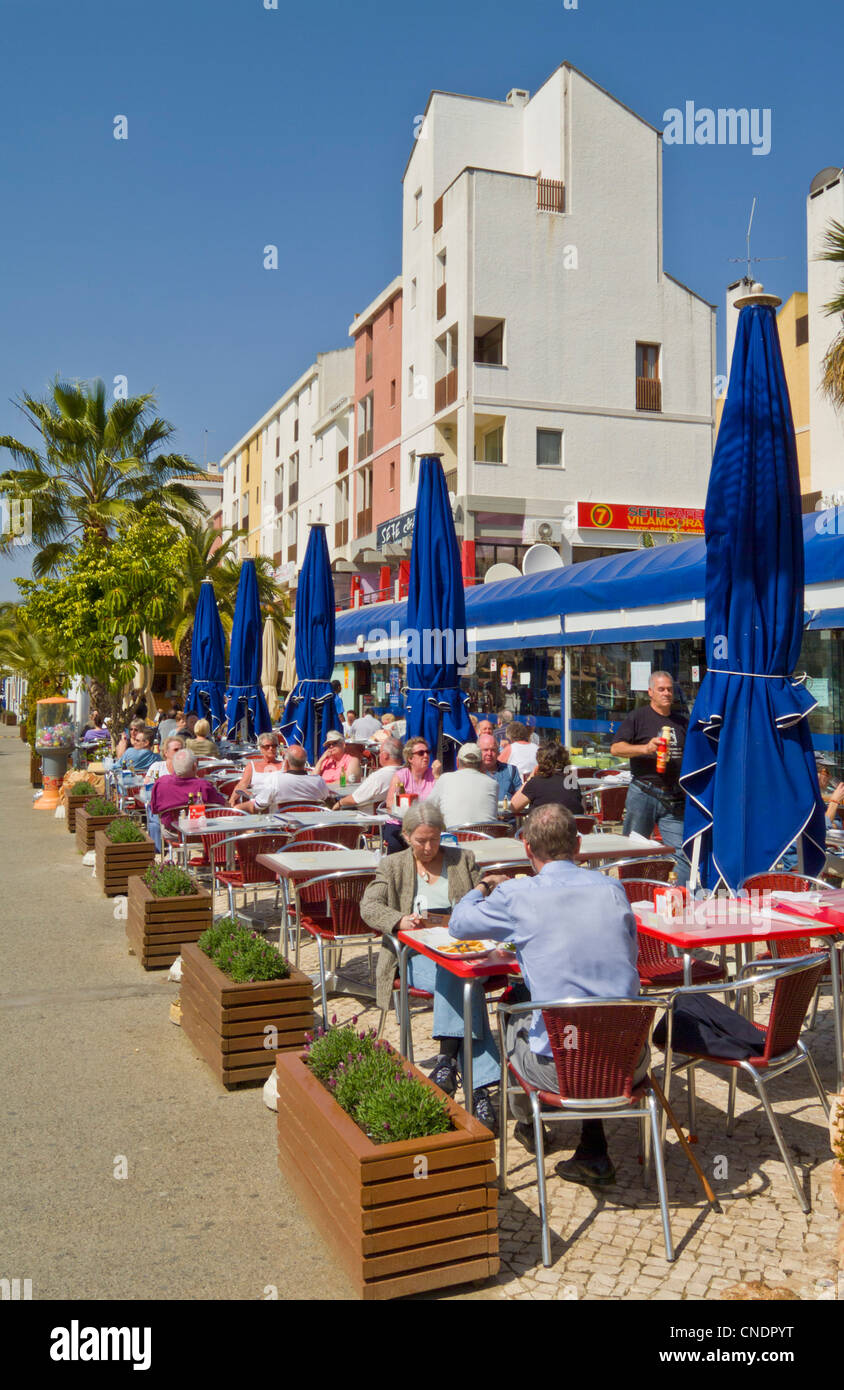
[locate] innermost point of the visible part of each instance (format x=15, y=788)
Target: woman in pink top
x=418, y=777
x=336, y=760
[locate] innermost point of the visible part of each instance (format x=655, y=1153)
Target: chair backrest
x=304, y=894
x=792, y=996
x=652, y=951
x=596, y=1046
x=226, y=785
x=481, y=830
x=610, y=802
x=214, y=845
x=786, y=883
x=585, y=824
x=337, y=836
x=656, y=870
x=248, y=847
x=344, y=899
x=286, y=807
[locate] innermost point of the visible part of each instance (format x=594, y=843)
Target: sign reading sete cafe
x=619, y=516
x=396, y=531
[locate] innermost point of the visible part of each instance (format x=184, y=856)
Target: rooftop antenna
x=748, y=259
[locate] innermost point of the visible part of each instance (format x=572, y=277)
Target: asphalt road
x=95, y=1073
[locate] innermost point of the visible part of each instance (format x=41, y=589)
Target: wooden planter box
x=73, y=803
x=226, y=1021
x=87, y=826
x=157, y=928
x=394, y=1230
x=35, y=777
x=116, y=864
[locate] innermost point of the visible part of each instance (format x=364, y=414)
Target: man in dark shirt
x=655, y=798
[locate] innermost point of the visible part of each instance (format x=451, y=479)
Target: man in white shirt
x=364, y=728
x=468, y=795
x=291, y=786
x=373, y=789
x=522, y=752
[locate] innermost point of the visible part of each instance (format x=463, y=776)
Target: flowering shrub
x=124, y=832
x=367, y=1080
x=169, y=882
x=242, y=954
x=98, y=807
x=81, y=789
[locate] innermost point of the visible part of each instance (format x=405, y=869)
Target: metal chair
x=594, y=1082
x=214, y=843
x=609, y=803
x=304, y=896
x=779, y=949
x=480, y=830
x=250, y=876
x=585, y=824
x=337, y=836
x=344, y=891
x=794, y=984
x=657, y=967
x=656, y=870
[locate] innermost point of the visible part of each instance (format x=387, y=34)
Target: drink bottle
x=662, y=746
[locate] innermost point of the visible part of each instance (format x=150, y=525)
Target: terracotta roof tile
x=160, y=648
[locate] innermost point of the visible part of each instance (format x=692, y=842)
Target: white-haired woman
x=429, y=877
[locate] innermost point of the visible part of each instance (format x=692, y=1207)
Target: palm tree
x=24, y=653
x=96, y=467
x=832, y=381
x=205, y=553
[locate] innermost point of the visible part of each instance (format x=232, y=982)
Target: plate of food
x=466, y=950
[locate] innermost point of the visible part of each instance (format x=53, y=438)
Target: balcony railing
x=296, y=430
x=550, y=195
x=438, y=213
x=364, y=444
x=293, y=494
x=291, y=551
x=445, y=390
x=441, y=302
x=341, y=532
x=648, y=393
x=363, y=523
x=343, y=460
x=451, y=480
x=276, y=559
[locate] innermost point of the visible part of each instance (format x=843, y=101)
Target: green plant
x=97, y=806
x=169, y=882
x=365, y=1077
x=82, y=789
x=242, y=954
x=124, y=832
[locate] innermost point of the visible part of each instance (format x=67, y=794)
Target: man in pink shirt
x=172, y=792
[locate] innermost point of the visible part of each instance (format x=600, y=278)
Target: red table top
x=495, y=963
x=688, y=937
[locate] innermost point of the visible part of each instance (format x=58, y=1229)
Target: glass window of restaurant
x=822, y=658
x=606, y=681
x=528, y=682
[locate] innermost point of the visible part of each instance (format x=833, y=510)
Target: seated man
x=139, y=756
x=466, y=796
x=575, y=937
x=373, y=789
x=291, y=785
x=506, y=775
x=171, y=793
x=364, y=728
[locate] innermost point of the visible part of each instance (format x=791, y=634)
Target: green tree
x=832, y=381
x=28, y=653
x=96, y=468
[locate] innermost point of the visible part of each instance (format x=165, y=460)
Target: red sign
x=620, y=516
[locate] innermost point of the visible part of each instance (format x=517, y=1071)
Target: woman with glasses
x=258, y=772
x=417, y=778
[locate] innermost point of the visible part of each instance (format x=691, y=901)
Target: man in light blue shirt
x=575, y=938
x=140, y=756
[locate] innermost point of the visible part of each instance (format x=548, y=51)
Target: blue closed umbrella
x=436, y=621
x=310, y=714
x=748, y=768
x=244, y=696
x=206, y=698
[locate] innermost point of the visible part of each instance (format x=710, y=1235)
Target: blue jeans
x=447, y=990
x=642, y=812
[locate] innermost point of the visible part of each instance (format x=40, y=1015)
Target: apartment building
x=806, y=334
x=547, y=355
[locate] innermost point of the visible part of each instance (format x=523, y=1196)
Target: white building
x=824, y=204
x=547, y=355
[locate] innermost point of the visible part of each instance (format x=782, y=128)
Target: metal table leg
x=467, y=1045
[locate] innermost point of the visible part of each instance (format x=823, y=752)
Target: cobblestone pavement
x=610, y=1245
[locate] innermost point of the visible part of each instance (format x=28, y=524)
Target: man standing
x=655, y=798
x=466, y=796
x=338, y=699
x=507, y=775
x=575, y=938
x=373, y=789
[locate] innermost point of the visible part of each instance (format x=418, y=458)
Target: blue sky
x=249, y=126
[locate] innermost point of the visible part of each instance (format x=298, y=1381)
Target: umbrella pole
x=693, y=876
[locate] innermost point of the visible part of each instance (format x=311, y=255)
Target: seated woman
x=418, y=777
x=428, y=877
x=552, y=783
x=335, y=760
x=202, y=744
x=258, y=772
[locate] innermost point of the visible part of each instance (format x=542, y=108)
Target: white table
x=593, y=849
x=230, y=825
x=293, y=867
x=326, y=817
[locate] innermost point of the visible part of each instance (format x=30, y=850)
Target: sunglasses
x=421, y=753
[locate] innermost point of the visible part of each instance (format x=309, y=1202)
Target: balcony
x=441, y=302
x=648, y=393
x=291, y=552
x=343, y=459
x=364, y=444
x=451, y=480
x=296, y=430
x=550, y=195
x=363, y=523
x=438, y=213
x=341, y=533
x=278, y=502
x=276, y=559
x=293, y=494
x=445, y=390
x=369, y=366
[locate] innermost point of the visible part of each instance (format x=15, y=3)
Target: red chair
x=249, y=875
x=306, y=900
x=288, y=807
x=609, y=803
x=656, y=870
x=585, y=824
x=798, y=945
x=795, y=981
x=594, y=1081
x=345, y=927
x=337, y=836
x=482, y=830
x=657, y=968
x=214, y=843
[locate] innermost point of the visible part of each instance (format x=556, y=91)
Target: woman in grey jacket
x=430, y=877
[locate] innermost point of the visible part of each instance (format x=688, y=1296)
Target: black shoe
x=591, y=1172
x=444, y=1074
x=482, y=1107
x=525, y=1135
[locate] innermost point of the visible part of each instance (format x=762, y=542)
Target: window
x=367, y=347
x=393, y=391
x=493, y=446
x=648, y=384
x=392, y=475
x=413, y=293
x=277, y=445
x=410, y=379
x=413, y=465
x=549, y=448
x=247, y=468
x=489, y=343
x=365, y=441
x=417, y=207
x=801, y=330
